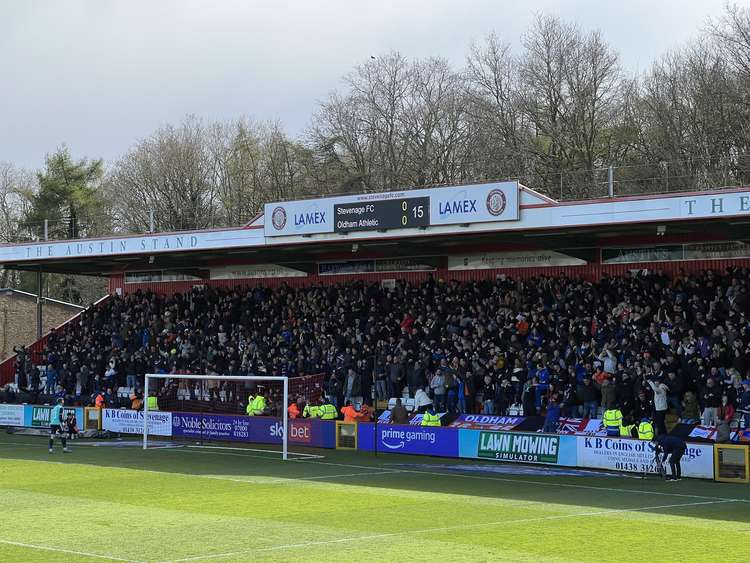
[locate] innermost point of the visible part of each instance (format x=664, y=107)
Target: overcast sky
x=98, y=75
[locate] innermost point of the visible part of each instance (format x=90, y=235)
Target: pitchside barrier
x=701, y=460
x=222, y=427
x=617, y=454
x=33, y=416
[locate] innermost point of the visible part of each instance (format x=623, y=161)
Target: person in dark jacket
x=552, y=417
x=587, y=396
x=744, y=402
x=711, y=399
x=399, y=414
x=415, y=377
x=674, y=448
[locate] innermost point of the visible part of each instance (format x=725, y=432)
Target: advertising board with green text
x=518, y=447
x=37, y=416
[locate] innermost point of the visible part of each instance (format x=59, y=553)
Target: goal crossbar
x=284, y=380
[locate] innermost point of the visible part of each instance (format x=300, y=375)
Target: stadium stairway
x=36, y=349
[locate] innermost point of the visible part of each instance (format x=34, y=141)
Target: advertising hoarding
x=512, y=259
x=37, y=416
x=11, y=415
x=623, y=454
x=497, y=201
x=523, y=447
x=260, y=429
x=507, y=446
x=127, y=421
x=394, y=438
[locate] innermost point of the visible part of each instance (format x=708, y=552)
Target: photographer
x=674, y=448
x=71, y=426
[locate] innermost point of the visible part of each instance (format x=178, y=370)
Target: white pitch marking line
x=441, y=474
x=247, y=481
x=70, y=551
x=450, y=528
x=383, y=472
x=288, y=479
x=299, y=454
x=530, y=482
x=233, y=454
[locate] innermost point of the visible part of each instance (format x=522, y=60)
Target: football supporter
x=474, y=346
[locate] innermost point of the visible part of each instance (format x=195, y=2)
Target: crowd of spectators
x=479, y=346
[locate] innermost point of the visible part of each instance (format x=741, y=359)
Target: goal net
x=225, y=411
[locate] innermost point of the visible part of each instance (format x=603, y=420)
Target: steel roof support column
x=39, y=319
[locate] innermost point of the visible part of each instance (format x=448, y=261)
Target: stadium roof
x=8, y=291
x=537, y=222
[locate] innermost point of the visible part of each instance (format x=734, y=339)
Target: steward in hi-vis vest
x=429, y=418
x=646, y=430
x=612, y=421
x=326, y=411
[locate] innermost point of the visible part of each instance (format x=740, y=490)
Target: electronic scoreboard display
x=402, y=213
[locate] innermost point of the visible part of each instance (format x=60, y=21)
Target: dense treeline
x=556, y=114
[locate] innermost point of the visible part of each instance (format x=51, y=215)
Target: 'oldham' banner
x=127, y=421
x=486, y=422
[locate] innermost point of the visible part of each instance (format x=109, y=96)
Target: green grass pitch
x=189, y=504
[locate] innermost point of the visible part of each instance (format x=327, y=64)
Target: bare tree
x=498, y=126
x=171, y=173
x=17, y=187
x=731, y=35
x=433, y=125
x=572, y=94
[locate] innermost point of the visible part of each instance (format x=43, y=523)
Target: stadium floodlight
x=251, y=378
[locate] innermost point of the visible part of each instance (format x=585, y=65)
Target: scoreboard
x=410, y=210
x=401, y=213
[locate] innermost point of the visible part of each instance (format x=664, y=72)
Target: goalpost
x=283, y=380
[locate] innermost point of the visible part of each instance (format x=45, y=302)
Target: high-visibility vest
x=350, y=414
x=646, y=431
x=366, y=413
x=250, y=408
x=257, y=406
x=260, y=404
x=430, y=419
x=626, y=431
x=152, y=403
x=327, y=412
x=310, y=411
x=613, y=419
